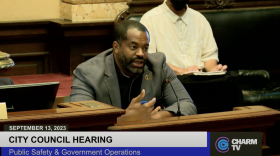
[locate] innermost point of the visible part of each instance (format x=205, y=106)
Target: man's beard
x=126, y=64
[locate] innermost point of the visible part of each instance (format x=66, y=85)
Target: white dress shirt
x=187, y=40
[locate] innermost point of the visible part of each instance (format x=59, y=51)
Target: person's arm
x=210, y=50
x=210, y=64
x=181, y=71
x=81, y=91
x=177, y=70
x=187, y=106
x=162, y=114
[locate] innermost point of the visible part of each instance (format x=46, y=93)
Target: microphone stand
x=178, y=102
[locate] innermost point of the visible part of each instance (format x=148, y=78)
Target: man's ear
x=116, y=47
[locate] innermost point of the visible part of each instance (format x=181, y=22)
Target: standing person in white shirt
x=184, y=35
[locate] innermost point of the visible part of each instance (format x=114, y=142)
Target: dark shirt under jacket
x=128, y=85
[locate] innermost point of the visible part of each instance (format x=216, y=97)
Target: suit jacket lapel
x=147, y=84
x=111, y=81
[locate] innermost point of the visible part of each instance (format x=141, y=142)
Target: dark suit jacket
x=6, y=81
x=96, y=79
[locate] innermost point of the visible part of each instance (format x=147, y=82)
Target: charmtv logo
x=235, y=143
x=222, y=144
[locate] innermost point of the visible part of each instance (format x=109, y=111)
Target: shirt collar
x=175, y=17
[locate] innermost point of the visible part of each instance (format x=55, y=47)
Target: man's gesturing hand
x=137, y=111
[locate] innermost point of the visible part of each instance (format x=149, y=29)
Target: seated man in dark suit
x=126, y=75
x=6, y=81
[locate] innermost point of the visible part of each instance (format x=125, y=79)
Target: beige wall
x=14, y=10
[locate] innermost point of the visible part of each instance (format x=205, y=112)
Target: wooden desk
x=250, y=118
x=77, y=116
x=242, y=118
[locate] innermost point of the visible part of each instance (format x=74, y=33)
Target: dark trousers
x=213, y=93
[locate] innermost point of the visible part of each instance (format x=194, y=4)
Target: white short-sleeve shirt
x=187, y=40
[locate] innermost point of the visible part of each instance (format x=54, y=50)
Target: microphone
x=178, y=102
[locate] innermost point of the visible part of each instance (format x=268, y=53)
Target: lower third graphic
x=222, y=144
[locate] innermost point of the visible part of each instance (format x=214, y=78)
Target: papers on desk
x=196, y=73
x=3, y=111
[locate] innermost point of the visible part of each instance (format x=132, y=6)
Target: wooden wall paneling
x=29, y=63
x=26, y=42
x=59, y=51
x=23, y=68
x=21, y=30
x=28, y=46
x=75, y=39
x=255, y=3
x=85, y=57
x=56, y=44
x=71, y=43
x=43, y=58
x=83, y=51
